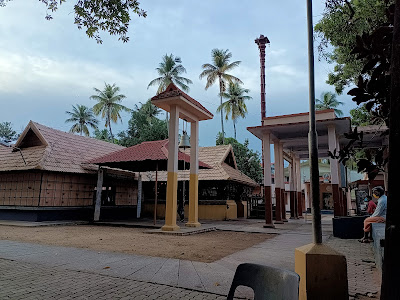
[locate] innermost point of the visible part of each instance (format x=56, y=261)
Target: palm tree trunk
x=222, y=118
x=109, y=126
x=112, y=137
x=234, y=128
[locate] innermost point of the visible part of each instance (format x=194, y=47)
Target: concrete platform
x=185, y=230
x=142, y=223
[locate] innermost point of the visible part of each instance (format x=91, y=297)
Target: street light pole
x=312, y=135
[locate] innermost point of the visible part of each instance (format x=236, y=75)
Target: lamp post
x=314, y=281
x=312, y=135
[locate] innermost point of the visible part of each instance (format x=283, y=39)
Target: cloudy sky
x=48, y=66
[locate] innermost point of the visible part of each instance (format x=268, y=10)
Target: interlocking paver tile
x=30, y=271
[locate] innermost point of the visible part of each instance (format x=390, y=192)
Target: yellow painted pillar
x=172, y=179
x=194, y=176
x=323, y=273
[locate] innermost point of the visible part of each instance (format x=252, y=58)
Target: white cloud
x=22, y=74
x=286, y=70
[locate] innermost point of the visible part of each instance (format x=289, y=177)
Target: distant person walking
x=379, y=216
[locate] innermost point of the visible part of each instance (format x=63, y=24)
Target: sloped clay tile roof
x=65, y=152
x=14, y=161
x=213, y=156
x=152, y=150
x=173, y=91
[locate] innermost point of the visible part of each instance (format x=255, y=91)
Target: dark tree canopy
x=342, y=22
x=112, y=16
x=104, y=135
x=360, y=116
x=144, y=126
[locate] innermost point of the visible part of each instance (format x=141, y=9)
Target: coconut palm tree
x=109, y=105
x=149, y=110
x=218, y=70
x=235, y=106
x=82, y=117
x=329, y=101
x=170, y=70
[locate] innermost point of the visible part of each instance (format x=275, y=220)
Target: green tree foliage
x=109, y=105
x=360, y=116
x=247, y=160
x=372, y=91
x=144, y=126
x=218, y=70
x=170, y=70
x=7, y=134
x=328, y=101
x=104, y=135
x=81, y=117
x=99, y=15
x=341, y=23
x=236, y=105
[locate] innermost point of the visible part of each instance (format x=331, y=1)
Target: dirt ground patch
x=204, y=247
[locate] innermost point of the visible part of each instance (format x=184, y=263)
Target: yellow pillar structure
x=323, y=273
x=172, y=179
x=193, y=220
x=181, y=105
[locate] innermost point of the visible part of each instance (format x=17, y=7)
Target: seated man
x=379, y=216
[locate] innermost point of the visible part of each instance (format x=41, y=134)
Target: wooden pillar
x=283, y=197
x=99, y=188
x=172, y=177
x=267, y=180
x=139, y=196
x=193, y=220
x=277, y=177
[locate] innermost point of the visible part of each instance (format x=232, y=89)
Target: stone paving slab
x=214, y=277
x=21, y=280
x=168, y=273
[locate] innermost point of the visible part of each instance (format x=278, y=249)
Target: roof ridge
x=75, y=135
x=156, y=141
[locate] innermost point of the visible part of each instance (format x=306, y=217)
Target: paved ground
x=31, y=271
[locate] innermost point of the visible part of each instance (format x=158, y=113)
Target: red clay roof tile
x=172, y=91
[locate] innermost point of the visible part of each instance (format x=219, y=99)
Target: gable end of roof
x=31, y=137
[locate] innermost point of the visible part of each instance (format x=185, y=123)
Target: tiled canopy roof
x=173, y=91
x=49, y=149
x=215, y=157
x=153, y=150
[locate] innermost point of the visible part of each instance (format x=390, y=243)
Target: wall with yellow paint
x=206, y=212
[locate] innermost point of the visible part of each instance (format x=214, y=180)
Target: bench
x=378, y=234
x=350, y=227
